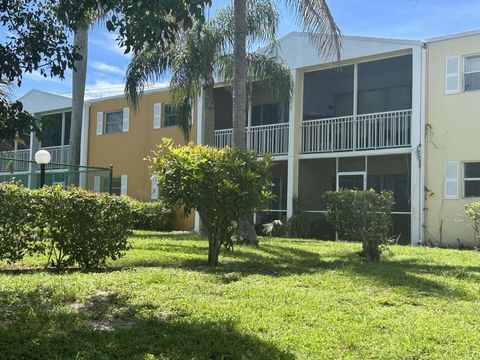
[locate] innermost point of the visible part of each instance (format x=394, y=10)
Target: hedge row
x=71, y=226
x=154, y=216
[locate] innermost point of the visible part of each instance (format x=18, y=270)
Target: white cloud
x=101, y=66
x=37, y=76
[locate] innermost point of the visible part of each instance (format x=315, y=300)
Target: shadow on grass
x=284, y=260
x=35, y=325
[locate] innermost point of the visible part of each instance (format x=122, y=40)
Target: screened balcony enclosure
x=384, y=172
x=364, y=106
x=267, y=121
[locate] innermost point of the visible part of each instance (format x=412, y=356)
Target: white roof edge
x=43, y=92
x=454, y=36
x=360, y=38
x=119, y=96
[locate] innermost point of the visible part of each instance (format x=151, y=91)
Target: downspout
x=423, y=114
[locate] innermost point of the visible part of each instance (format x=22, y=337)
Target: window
x=471, y=177
x=116, y=185
x=267, y=114
x=385, y=85
x=52, y=130
x=114, y=122
x=336, y=99
x=170, y=118
x=472, y=73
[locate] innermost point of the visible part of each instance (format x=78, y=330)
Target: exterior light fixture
x=42, y=157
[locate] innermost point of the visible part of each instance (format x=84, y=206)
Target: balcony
x=15, y=166
x=271, y=139
x=353, y=133
x=22, y=164
x=59, y=155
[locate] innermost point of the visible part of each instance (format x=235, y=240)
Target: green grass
x=287, y=299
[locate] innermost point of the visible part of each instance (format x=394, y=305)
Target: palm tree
x=205, y=52
x=315, y=18
x=79, y=75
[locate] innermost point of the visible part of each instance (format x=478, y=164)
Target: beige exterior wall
x=126, y=151
x=452, y=134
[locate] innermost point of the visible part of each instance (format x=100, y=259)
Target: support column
x=294, y=139
x=417, y=139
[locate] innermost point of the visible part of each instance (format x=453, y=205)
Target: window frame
x=105, y=116
x=465, y=179
x=165, y=115
x=464, y=73
x=104, y=184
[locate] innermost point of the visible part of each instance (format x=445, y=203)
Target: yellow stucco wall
x=453, y=133
x=126, y=150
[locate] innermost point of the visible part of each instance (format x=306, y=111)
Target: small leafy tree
x=363, y=216
x=223, y=185
x=473, y=212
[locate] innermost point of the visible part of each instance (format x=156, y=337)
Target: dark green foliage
x=299, y=224
x=363, y=216
x=17, y=215
x=82, y=227
x=38, y=38
x=223, y=185
x=72, y=226
x=153, y=215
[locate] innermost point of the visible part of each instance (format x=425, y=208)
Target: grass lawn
x=287, y=299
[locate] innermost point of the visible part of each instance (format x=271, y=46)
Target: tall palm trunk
x=246, y=230
x=208, y=111
x=79, y=74
x=239, y=74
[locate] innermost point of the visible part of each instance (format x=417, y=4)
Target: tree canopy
x=38, y=37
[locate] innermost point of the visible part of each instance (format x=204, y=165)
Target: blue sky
x=408, y=19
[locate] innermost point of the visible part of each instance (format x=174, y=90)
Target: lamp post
x=42, y=157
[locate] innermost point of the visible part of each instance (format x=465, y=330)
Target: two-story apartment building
x=392, y=114
x=118, y=134
x=53, y=113
x=358, y=123
x=452, y=173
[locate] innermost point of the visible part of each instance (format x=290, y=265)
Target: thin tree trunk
x=246, y=228
x=79, y=75
x=208, y=112
x=239, y=75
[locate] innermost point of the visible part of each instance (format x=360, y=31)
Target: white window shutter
x=126, y=120
x=123, y=185
x=97, y=181
x=154, y=188
x=157, y=116
x=452, y=75
x=100, y=123
x=451, y=179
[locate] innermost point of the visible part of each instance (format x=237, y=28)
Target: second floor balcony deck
x=374, y=131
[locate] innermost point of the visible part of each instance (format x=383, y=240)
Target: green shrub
x=82, y=227
x=299, y=224
x=223, y=185
x=155, y=215
x=473, y=212
x=363, y=216
x=18, y=234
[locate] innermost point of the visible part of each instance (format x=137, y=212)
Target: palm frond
x=316, y=19
x=146, y=66
x=5, y=91
x=261, y=22
x=267, y=68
